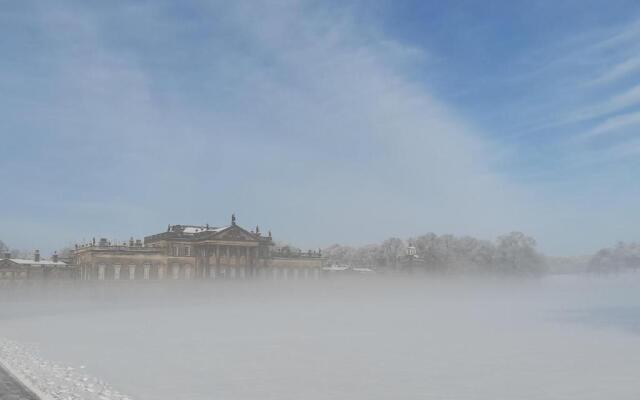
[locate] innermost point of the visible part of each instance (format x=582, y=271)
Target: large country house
x=182, y=252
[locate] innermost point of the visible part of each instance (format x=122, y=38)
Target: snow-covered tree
x=511, y=254
x=392, y=250
x=516, y=253
x=622, y=257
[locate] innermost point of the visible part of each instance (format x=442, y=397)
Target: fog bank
x=557, y=337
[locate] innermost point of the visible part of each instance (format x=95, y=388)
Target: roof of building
x=41, y=263
x=206, y=232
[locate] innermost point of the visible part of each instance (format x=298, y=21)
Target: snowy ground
x=560, y=338
x=50, y=380
x=12, y=389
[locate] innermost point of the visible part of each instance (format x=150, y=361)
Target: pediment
x=235, y=233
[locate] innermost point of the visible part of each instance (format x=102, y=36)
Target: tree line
x=619, y=258
x=513, y=253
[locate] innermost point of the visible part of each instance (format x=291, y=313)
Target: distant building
x=22, y=269
x=186, y=252
x=412, y=262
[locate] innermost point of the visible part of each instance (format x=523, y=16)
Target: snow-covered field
x=559, y=337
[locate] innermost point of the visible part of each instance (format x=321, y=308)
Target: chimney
x=54, y=257
x=36, y=256
x=7, y=255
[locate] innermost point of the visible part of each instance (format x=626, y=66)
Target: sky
x=325, y=122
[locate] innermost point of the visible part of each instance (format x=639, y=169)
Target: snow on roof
x=362, y=269
x=198, y=229
x=193, y=229
x=337, y=268
x=42, y=263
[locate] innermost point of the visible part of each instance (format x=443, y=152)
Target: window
x=147, y=267
x=187, y=251
x=175, y=270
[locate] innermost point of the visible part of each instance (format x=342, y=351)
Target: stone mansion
x=186, y=252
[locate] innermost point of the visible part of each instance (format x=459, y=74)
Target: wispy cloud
x=615, y=52
x=613, y=125
x=616, y=37
x=617, y=71
x=589, y=88
x=616, y=103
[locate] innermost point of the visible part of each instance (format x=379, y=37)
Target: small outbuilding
x=22, y=269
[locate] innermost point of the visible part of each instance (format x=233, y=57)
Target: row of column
x=187, y=272
x=14, y=275
x=227, y=256
x=282, y=273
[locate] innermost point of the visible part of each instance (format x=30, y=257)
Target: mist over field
x=555, y=337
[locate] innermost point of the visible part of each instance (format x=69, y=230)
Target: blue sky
x=323, y=121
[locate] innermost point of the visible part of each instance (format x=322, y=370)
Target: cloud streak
x=618, y=71
x=614, y=125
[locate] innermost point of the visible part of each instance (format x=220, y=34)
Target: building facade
x=37, y=269
x=186, y=252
